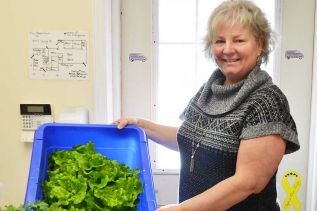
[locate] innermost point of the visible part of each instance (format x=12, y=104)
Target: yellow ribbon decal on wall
x=291, y=191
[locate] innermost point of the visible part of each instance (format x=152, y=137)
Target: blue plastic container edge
x=34, y=174
x=40, y=130
x=151, y=194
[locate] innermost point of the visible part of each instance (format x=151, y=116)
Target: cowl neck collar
x=215, y=98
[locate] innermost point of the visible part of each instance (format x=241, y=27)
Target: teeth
x=231, y=60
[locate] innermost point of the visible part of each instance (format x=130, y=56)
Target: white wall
x=296, y=82
x=17, y=19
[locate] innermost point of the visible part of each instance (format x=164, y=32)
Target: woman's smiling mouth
x=230, y=60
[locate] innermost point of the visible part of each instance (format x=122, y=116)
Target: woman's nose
x=228, y=47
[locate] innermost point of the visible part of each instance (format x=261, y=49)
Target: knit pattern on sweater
x=262, y=111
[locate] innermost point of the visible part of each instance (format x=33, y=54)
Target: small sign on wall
x=294, y=54
x=58, y=55
x=137, y=57
x=291, y=189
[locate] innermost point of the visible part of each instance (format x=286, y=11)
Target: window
x=180, y=63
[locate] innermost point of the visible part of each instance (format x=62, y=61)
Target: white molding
x=277, y=54
x=99, y=58
x=106, y=48
x=311, y=193
x=116, y=58
x=154, y=83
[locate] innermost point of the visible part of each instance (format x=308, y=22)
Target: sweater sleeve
x=269, y=114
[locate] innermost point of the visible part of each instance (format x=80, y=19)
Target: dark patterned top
x=217, y=118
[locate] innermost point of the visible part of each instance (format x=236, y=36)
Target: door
x=294, y=77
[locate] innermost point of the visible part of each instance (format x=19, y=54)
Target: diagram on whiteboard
x=58, y=55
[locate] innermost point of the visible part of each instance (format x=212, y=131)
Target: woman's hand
x=161, y=134
x=170, y=207
x=121, y=123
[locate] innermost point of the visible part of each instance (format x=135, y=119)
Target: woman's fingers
x=121, y=123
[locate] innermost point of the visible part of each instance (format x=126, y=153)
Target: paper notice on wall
x=58, y=55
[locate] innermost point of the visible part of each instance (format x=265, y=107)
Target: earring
x=259, y=60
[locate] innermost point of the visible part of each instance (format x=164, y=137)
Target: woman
x=238, y=126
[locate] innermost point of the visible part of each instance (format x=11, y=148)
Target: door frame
x=311, y=193
x=107, y=60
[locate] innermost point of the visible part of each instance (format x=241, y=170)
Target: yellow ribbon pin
x=291, y=191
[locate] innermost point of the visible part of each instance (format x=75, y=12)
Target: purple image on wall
x=137, y=57
x=294, y=54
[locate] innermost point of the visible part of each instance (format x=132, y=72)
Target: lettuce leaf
x=82, y=179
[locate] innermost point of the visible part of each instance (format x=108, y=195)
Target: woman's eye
x=239, y=41
x=219, y=41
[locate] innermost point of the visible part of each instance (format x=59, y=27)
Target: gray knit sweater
x=217, y=118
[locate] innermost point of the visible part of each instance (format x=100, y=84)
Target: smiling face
x=235, y=51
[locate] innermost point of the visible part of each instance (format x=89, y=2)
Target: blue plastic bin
x=128, y=146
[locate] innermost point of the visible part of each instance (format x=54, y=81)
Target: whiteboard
x=58, y=55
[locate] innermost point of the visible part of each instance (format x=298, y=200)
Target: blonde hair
x=247, y=14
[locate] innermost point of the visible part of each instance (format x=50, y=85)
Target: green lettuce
x=82, y=179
